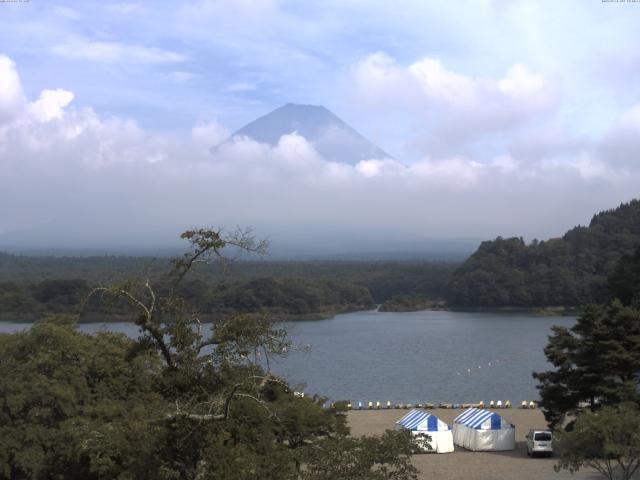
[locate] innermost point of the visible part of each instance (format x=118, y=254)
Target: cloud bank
x=82, y=178
x=453, y=109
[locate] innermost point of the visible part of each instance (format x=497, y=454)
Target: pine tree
x=596, y=362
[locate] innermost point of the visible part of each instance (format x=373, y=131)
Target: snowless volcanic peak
x=330, y=136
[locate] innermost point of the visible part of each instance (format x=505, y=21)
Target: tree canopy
x=607, y=441
x=596, y=361
x=624, y=281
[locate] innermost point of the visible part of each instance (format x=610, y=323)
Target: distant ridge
x=333, y=138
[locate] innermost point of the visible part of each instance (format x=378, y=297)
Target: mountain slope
x=569, y=271
x=332, y=137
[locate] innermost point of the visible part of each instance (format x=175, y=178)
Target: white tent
x=478, y=430
x=421, y=422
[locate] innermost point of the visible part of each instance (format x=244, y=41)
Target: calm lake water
x=425, y=356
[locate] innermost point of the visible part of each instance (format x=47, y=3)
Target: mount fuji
x=333, y=138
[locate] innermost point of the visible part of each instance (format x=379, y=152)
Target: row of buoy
x=497, y=404
x=388, y=405
x=494, y=363
x=507, y=404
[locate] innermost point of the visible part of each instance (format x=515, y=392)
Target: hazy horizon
x=505, y=118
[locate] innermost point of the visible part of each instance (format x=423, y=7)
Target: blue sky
x=168, y=64
x=469, y=95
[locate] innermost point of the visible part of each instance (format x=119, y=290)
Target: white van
x=539, y=442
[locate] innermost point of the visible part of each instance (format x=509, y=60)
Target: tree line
x=280, y=298
x=31, y=287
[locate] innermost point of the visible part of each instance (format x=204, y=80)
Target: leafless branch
x=145, y=319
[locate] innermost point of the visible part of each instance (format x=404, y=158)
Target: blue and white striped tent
x=419, y=421
x=478, y=429
x=479, y=418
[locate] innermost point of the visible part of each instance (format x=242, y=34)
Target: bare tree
x=230, y=357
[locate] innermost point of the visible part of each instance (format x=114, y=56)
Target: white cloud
x=519, y=83
x=621, y=145
x=373, y=168
x=51, y=104
x=12, y=98
x=451, y=109
x=209, y=134
x=592, y=168
x=105, y=51
x=105, y=179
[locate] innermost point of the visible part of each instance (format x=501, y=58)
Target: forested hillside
x=570, y=271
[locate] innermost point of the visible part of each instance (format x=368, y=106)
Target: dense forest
x=31, y=287
x=276, y=297
x=570, y=271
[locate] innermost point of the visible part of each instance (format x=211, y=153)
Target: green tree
x=368, y=458
x=596, y=362
x=74, y=405
x=607, y=440
x=624, y=282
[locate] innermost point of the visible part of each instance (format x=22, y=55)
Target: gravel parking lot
x=466, y=465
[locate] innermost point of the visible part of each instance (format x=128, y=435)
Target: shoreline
x=538, y=311
x=207, y=318
x=321, y=315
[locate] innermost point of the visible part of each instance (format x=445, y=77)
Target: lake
x=426, y=356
